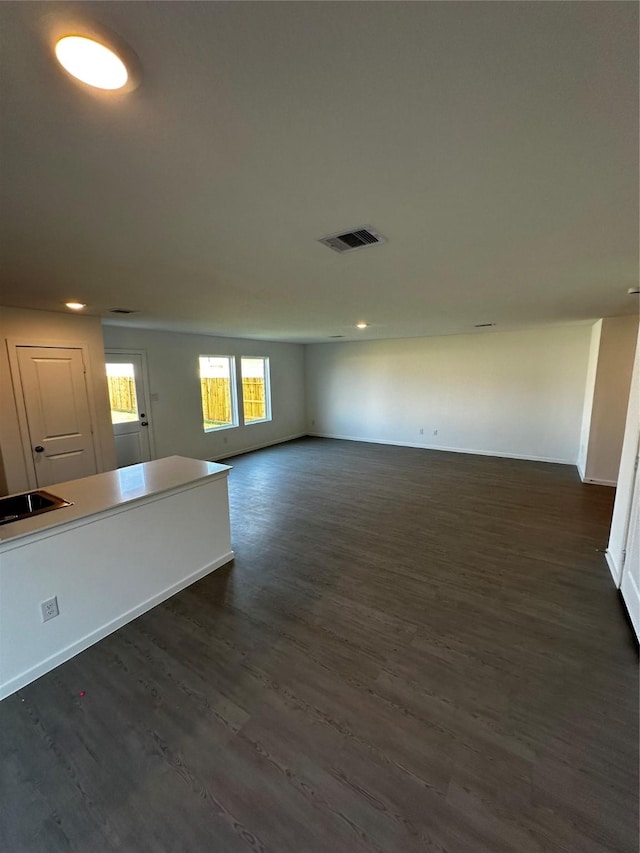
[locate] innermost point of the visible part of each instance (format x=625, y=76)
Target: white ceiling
x=495, y=145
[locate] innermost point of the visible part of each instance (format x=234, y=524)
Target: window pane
x=218, y=391
x=122, y=393
x=255, y=389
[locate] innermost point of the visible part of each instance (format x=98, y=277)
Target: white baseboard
x=615, y=570
x=258, y=446
x=103, y=631
x=597, y=482
x=468, y=450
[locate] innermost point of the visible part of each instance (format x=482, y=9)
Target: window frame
x=267, y=389
x=233, y=392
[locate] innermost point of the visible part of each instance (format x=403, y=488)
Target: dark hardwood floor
x=413, y=651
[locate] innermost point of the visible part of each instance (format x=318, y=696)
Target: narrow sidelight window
x=256, y=393
x=218, y=388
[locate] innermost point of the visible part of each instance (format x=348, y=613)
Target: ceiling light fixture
x=633, y=291
x=91, y=62
x=76, y=306
x=361, y=325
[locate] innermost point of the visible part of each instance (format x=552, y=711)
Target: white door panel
x=130, y=449
x=66, y=466
x=57, y=410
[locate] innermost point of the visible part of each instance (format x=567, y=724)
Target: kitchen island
x=130, y=539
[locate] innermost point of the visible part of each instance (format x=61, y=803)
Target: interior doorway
x=129, y=401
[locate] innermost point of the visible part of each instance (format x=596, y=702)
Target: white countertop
x=101, y=492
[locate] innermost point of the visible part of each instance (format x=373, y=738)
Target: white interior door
x=129, y=407
x=58, y=415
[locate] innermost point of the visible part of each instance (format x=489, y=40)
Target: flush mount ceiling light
x=76, y=306
x=361, y=325
x=91, y=54
x=91, y=62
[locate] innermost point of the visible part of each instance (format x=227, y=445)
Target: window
x=218, y=388
x=122, y=393
x=256, y=394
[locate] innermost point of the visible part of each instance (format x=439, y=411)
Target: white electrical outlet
x=50, y=609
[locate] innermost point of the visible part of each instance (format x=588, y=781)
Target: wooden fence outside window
x=255, y=408
x=122, y=394
x=216, y=400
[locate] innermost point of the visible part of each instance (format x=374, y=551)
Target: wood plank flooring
x=413, y=651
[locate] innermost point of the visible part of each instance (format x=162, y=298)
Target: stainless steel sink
x=17, y=507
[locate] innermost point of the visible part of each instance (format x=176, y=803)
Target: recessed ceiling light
x=91, y=62
x=361, y=325
x=76, y=306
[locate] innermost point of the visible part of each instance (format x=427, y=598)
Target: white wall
x=49, y=327
x=624, y=492
x=617, y=343
x=503, y=393
x=590, y=387
x=176, y=407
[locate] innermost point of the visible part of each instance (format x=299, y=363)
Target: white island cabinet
x=131, y=539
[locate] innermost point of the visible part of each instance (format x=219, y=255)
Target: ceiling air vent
x=349, y=241
x=122, y=311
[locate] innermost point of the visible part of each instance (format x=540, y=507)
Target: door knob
x=144, y=423
x=39, y=448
